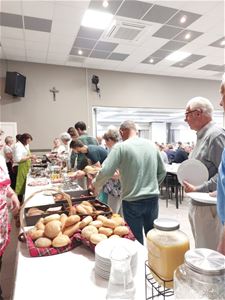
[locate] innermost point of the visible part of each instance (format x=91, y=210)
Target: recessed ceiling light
x=177, y=56
x=105, y=3
x=187, y=36
x=96, y=19
x=183, y=19
x=222, y=43
x=151, y=60
x=80, y=52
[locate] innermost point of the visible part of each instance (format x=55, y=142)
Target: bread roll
x=33, y=211
x=89, y=209
x=73, y=210
x=88, y=231
x=52, y=229
x=87, y=203
x=119, y=221
x=43, y=242
x=96, y=223
x=109, y=223
x=40, y=224
x=106, y=231
x=114, y=236
x=69, y=231
x=97, y=238
x=121, y=230
x=61, y=240
x=81, y=209
x=51, y=218
x=35, y=233
x=71, y=220
x=101, y=218
x=85, y=221
x=63, y=219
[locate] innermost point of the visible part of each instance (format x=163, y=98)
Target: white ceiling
x=50, y=32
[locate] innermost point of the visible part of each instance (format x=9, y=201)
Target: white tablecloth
x=66, y=276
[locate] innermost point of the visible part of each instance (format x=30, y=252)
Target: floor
x=8, y=267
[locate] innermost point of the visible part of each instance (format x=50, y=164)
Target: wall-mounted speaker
x=15, y=84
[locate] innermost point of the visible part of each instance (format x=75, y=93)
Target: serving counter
x=69, y=275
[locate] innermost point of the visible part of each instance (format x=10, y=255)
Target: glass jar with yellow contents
x=166, y=248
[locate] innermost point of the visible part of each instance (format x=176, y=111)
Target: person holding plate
x=221, y=182
x=205, y=224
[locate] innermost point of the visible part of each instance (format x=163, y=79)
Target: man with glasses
x=205, y=224
x=141, y=171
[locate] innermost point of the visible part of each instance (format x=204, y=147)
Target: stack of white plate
x=103, y=252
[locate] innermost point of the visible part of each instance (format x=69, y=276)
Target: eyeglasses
x=191, y=111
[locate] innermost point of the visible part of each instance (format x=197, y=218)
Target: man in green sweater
x=141, y=171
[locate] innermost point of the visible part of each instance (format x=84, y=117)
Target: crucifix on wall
x=54, y=91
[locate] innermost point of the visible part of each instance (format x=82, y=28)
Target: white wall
x=39, y=115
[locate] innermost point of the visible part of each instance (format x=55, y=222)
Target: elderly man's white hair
x=128, y=125
x=202, y=104
x=65, y=136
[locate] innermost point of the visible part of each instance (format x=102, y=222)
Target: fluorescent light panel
x=96, y=19
x=177, y=56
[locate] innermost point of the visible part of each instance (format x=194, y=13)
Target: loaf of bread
x=109, y=223
x=35, y=233
x=81, y=209
x=52, y=229
x=61, y=240
x=96, y=223
x=43, y=242
x=71, y=220
x=69, y=231
x=97, y=238
x=51, y=218
x=86, y=221
x=88, y=231
x=105, y=230
x=121, y=230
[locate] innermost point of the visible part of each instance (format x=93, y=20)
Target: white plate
x=193, y=171
x=202, y=197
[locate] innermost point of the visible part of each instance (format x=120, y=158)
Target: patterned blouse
x=4, y=223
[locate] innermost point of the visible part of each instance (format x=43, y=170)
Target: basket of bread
x=93, y=231
x=57, y=233
x=52, y=234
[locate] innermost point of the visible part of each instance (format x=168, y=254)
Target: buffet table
x=70, y=275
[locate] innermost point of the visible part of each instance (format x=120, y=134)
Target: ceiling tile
x=36, y=46
x=99, y=54
x=11, y=32
x=11, y=7
x=182, y=36
x=182, y=64
x=133, y=9
x=160, y=53
x=84, y=43
x=172, y=46
x=118, y=56
x=36, y=36
x=105, y=46
x=36, y=53
x=194, y=57
x=12, y=43
x=154, y=60
x=191, y=17
x=159, y=14
x=218, y=43
x=38, y=9
x=215, y=68
x=37, y=24
x=112, y=7
x=11, y=20
x=167, y=32
x=74, y=51
x=89, y=33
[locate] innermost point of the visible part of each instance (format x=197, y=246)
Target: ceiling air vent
x=125, y=30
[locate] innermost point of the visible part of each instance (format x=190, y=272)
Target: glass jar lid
x=205, y=261
x=166, y=224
